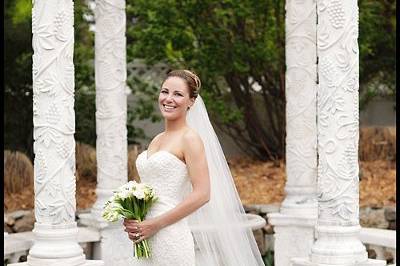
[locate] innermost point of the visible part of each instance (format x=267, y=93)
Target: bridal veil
x=218, y=227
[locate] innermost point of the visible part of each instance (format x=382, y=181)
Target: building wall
x=379, y=112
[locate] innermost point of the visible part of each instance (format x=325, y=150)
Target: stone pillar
x=294, y=224
x=55, y=229
x=111, y=116
x=338, y=132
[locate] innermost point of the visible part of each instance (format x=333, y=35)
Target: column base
x=294, y=236
x=54, y=243
x=338, y=245
x=306, y=262
x=57, y=262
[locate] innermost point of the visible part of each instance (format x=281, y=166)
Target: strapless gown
x=168, y=175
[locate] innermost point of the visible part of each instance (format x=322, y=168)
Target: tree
x=18, y=115
x=18, y=123
x=237, y=47
x=377, y=43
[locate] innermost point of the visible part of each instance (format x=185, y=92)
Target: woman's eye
x=163, y=91
x=178, y=94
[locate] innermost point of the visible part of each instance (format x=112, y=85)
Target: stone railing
x=17, y=245
x=379, y=241
x=378, y=231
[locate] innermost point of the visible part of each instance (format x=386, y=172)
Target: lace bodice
x=166, y=173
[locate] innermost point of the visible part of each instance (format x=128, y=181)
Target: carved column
x=111, y=116
x=54, y=145
x=294, y=224
x=338, y=132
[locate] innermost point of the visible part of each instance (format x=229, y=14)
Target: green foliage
x=18, y=81
x=22, y=11
x=377, y=42
x=230, y=42
x=18, y=120
x=227, y=43
x=269, y=258
x=145, y=96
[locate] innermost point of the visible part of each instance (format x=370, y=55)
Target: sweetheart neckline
x=171, y=154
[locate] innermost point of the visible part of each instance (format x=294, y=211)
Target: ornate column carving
x=294, y=225
x=54, y=144
x=111, y=99
x=301, y=93
x=115, y=248
x=338, y=132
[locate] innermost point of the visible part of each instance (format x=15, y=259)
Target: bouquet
x=131, y=201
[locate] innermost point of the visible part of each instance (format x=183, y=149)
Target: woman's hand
x=139, y=231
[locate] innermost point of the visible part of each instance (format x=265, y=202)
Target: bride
x=198, y=218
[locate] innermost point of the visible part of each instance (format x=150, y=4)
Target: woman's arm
x=196, y=162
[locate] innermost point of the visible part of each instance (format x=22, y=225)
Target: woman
x=198, y=206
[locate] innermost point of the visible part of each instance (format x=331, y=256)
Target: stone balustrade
x=17, y=245
x=379, y=241
x=377, y=234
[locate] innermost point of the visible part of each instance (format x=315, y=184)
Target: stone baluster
x=115, y=248
x=294, y=224
x=338, y=134
x=55, y=229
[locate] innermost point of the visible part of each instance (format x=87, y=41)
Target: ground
x=257, y=183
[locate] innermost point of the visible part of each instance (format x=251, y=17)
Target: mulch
x=257, y=183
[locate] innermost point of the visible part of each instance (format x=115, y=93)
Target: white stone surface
x=115, y=248
x=301, y=94
x=378, y=237
x=294, y=225
x=111, y=99
x=55, y=230
x=18, y=244
x=54, y=127
x=294, y=236
x=338, y=133
x=306, y=262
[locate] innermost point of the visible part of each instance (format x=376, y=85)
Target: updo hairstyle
x=192, y=80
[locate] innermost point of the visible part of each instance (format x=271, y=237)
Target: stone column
x=55, y=229
x=111, y=116
x=294, y=224
x=338, y=132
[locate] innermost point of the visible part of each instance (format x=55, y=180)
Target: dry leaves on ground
x=257, y=183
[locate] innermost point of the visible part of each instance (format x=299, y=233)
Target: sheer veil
x=219, y=230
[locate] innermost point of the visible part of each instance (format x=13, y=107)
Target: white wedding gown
x=168, y=175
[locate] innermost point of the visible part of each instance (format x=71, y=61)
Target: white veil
x=219, y=226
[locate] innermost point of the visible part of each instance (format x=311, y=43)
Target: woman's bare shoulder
x=155, y=140
x=192, y=141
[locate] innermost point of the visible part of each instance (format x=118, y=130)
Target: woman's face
x=174, y=98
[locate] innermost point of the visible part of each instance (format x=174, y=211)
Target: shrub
x=377, y=143
x=86, y=165
x=18, y=172
x=133, y=152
